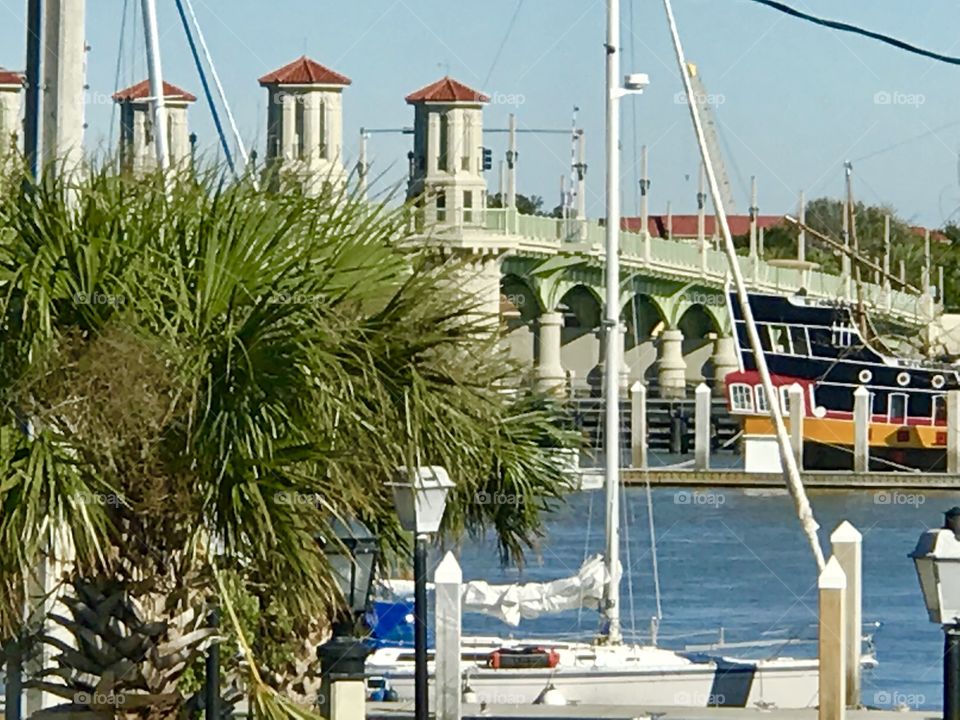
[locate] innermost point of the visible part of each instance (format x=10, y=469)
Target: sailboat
x=606, y=670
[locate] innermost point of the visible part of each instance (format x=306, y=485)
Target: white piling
x=832, y=585
x=638, y=425
x=795, y=395
x=701, y=445
x=953, y=432
x=861, y=430
x=847, y=544
x=447, y=580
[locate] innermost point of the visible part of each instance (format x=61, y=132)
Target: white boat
x=608, y=671
x=627, y=675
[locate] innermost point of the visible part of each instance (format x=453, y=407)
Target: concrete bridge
x=676, y=325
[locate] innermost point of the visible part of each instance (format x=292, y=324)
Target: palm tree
x=197, y=380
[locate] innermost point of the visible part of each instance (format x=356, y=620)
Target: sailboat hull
x=625, y=676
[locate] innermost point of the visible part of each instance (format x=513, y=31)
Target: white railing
x=686, y=261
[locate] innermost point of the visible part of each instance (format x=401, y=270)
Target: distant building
x=684, y=227
x=137, y=139
x=305, y=126
x=11, y=86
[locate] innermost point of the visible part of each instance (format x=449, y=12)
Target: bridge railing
x=689, y=261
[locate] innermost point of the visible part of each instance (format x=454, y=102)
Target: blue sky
x=794, y=100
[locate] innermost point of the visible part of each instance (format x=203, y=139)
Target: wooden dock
x=404, y=711
x=732, y=478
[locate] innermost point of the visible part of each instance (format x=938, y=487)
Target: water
x=739, y=560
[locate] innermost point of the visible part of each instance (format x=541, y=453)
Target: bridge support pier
x=725, y=361
x=671, y=367
x=550, y=373
x=597, y=381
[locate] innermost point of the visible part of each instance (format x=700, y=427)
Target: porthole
x=937, y=381
x=865, y=376
x=903, y=379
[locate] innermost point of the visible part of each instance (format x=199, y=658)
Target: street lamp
x=420, y=496
x=937, y=559
x=352, y=553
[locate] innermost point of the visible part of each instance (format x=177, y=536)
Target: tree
x=526, y=205
x=197, y=380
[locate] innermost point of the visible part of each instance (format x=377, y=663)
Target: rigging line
x=900, y=143
x=586, y=549
x=503, y=43
x=216, y=79
x=846, y=27
x=206, y=90
x=633, y=121
x=119, y=67
x=629, y=562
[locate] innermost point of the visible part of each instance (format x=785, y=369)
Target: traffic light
x=487, y=159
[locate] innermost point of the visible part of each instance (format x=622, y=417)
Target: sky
x=793, y=101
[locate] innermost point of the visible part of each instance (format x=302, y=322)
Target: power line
x=503, y=43
x=846, y=27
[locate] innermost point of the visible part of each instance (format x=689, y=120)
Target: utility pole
x=31, y=124
x=155, y=72
x=64, y=66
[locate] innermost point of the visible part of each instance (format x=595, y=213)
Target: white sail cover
x=511, y=603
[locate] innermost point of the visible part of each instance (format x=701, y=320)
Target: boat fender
x=550, y=696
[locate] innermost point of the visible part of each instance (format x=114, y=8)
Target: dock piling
x=701, y=443
x=832, y=585
x=447, y=580
x=953, y=432
x=638, y=424
x=795, y=395
x=861, y=430
x=847, y=544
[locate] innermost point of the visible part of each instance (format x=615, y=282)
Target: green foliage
x=202, y=360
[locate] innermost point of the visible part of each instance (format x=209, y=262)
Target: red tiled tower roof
x=9, y=77
x=446, y=89
x=304, y=71
x=141, y=91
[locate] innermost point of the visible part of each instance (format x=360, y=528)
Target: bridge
x=677, y=328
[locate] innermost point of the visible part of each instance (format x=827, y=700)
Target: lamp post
x=937, y=559
x=420, y=496
x=352, y=554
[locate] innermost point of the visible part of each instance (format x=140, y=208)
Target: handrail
x=687, y=260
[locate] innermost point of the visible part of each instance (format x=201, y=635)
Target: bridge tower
x=137, y=152
x=305, y=126
x=11, y=84
x=446, y=167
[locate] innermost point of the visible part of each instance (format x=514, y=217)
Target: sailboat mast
x=611, y=326
x=155, y=72
x=791, y=470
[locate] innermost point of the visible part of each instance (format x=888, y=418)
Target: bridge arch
x=582, y=311
x=645, y=318
x=700, y=328
x=519, y=311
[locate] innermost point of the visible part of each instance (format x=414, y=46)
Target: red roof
x=9, y=77
x=141, y=91
x=446, y=89
x=304, y=71
x=686, y=225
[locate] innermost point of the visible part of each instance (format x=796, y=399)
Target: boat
x=606, y=669
x=819, y=345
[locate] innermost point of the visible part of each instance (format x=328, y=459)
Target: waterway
x=738, y=560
